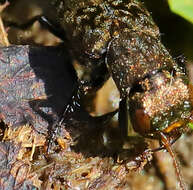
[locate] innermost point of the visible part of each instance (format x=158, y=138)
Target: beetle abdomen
x=90, y=25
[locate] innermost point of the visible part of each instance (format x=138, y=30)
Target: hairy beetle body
x=121, y=35
x=91, y=25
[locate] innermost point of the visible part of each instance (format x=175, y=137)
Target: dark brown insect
x=122, y=37
x=118, y=38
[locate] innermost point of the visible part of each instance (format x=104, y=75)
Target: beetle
x=119, y=38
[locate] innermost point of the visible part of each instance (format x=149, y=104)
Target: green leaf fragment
x=183, y=8
x=190, y=125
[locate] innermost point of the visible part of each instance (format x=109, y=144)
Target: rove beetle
x=118, y=38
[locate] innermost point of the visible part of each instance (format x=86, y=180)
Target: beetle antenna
x=168, y=147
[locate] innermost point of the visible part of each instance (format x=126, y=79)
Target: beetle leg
x=167, y=145
x=123, y=116
x=171, y=141
x=125, y=125
x=52, y=27
x=44, y=21
x=71, y=108
x=76, y=112
x=138, y=162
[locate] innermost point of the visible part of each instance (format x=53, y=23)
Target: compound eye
x=141, y=121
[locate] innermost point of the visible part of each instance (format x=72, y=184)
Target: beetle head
x=161, y=103
x=157, y=86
